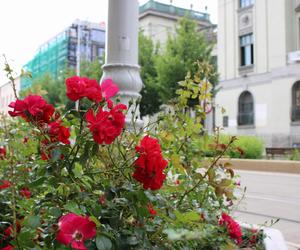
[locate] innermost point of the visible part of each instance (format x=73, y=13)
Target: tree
x=182, y=50
x=54, y=90
x=150, y=101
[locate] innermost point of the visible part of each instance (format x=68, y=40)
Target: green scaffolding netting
x=50, y=58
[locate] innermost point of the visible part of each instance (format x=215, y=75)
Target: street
x=272, y=196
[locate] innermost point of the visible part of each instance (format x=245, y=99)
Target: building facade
x=158, y=21
x=7, y=95
x=61, y=51
x=259, y=66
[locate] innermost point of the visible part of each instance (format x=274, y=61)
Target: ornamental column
x=121, y=63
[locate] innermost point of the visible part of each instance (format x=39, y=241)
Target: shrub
x=85, y=180
x=248, y=147
x=295, y=155
x=252, y=146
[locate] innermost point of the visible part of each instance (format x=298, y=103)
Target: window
x=296, y=102
x=73, y=32
x=225, y=121
x=246, y=109
x=100, y=52
x=245, y=3
x=246, y=50
x=98, y=36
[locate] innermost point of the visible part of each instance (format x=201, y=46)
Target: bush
x=295, y=155
x=87, y=180
x=248, y=147
x=252, y=147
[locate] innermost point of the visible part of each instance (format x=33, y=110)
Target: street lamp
x=121, y=62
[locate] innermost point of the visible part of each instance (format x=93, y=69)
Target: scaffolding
x=50, y=58
x=60, y=52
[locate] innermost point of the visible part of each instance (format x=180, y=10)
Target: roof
x=173, y=10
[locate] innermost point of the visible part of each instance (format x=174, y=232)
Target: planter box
x=274, y=239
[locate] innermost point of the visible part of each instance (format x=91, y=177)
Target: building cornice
x=151, y=12
x=264, y=78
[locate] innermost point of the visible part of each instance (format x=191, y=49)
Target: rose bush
x=89, y=179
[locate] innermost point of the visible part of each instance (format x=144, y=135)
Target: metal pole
x=121, y=62
x=78, y=56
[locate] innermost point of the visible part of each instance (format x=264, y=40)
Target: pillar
x=121, y=63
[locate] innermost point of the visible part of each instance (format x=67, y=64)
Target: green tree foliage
x=150, y=101
x=182, y=50
x=54, y=90
x=92, y=69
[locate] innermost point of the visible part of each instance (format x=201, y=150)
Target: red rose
x=4, y=184
x=233, y=228
x=109, y=88
x=25, y=192
x=9, y=247
x=33, y=109
x=9, y=230
x=79, y=87
x=46, y=149
x=74, y=230
x=102, y=199
x=75, y=88
x=106, y=125
x=150, y=164
x=2, y=153
x=151, y=210
x=57, y=132
x=93, y=90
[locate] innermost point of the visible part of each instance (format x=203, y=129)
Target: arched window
x=296, y=102
x=246, y=109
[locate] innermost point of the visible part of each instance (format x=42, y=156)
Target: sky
x=27, y=24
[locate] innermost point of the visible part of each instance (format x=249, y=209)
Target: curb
x=280, y=166
x=292, y=246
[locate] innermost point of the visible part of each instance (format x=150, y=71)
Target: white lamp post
x=121, y=63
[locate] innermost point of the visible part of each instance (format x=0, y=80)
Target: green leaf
x=63, y=190
x=211, y=174
x=37, y=182
x=78, y=172
x=25, y=239
x=55, y=211
x=72, y=207
x=225, y=183
x=103, y=242
x=132, y=240
x=187, y=217
x=33, y=221
x=64, y=172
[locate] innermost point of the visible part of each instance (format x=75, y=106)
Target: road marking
x=265, y=215
x=295, y=245
x=271, y=199
x=267, y=173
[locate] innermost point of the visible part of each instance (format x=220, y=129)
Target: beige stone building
x=259, y=66
x=158, y=20
x=7, y=95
